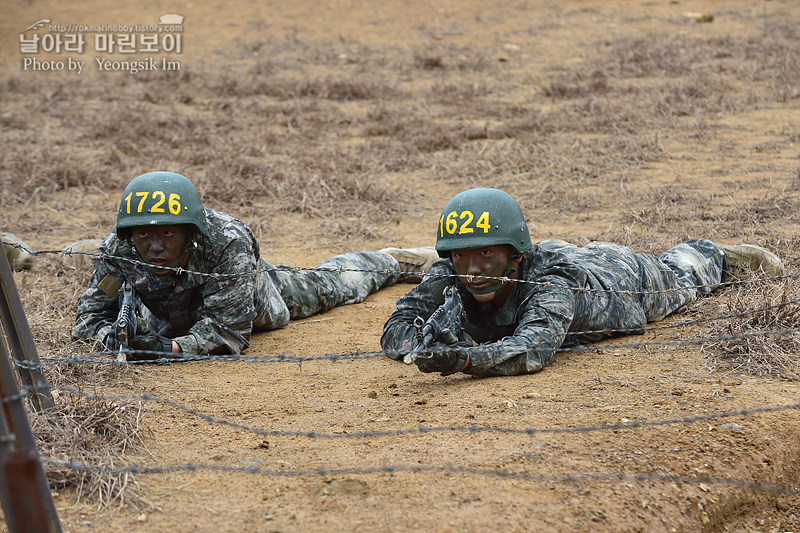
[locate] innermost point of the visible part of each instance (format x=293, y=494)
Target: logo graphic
x=171, y=18
x=37, y=25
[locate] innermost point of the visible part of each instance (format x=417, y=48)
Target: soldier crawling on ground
x=522, y=301
x=201, y=282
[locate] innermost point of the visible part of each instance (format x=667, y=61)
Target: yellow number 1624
x=449, y=223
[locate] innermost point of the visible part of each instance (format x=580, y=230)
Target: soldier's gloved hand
x=149, y=343
x=447, y=337
x=111, y=342
x=444, y=358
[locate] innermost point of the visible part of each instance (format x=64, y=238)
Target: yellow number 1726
x=159, y=198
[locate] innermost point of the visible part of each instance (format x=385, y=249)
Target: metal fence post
x=24, y=490
x=23, y=349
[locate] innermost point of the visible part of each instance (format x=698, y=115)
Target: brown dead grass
x=91, y=431
x=255, y=133
x=761, y=355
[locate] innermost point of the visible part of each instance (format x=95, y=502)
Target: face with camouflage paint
x=494, y=261
x=162, y=245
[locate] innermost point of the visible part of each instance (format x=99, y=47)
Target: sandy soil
x=555, y=477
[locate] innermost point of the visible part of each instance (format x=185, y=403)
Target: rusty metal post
x=23, y=349
x=24, y=491
x=6, y=437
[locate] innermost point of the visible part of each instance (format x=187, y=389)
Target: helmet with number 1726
x=160, y=199
x=482, y=217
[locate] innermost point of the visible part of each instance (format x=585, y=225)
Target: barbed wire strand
x=430, y=429
x=360, y=354
x=341, y=270
x=389, y=469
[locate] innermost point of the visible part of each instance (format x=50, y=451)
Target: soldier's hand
x=111, y=342
x=144, y=347
x=448, y=338
x=443, y=358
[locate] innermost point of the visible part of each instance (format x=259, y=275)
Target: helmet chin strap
x=181, y=260
x=495, y=287
x=190, y=243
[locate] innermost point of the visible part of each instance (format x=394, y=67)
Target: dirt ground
x=455, y=94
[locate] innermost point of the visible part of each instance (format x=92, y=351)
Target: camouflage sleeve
x=225, y=317
x=97, y=311
x=545, y=318
x=398, y=332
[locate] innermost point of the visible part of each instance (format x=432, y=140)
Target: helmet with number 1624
x=481, y=217
x=160, y=199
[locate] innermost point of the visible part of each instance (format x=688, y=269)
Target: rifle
x=448, y=316
x=127, y=321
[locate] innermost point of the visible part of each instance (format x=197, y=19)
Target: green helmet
x=482, y=217
x=160, y=199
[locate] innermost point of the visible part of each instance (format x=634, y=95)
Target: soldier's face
x=160, y=245
x=485, y=261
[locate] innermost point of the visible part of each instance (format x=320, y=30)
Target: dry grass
x=762, y=355
x=254, y=132
x=94, y=432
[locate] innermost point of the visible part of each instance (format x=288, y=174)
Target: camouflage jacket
x=538, y=318
x=203, y=314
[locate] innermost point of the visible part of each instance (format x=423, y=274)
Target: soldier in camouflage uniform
x=574, y=295
x=201, y=282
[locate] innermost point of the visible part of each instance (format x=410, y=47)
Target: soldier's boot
x=749, y=257
x=414, y=262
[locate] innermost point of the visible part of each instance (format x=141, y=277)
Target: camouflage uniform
x=216, y=314
x=523, y=334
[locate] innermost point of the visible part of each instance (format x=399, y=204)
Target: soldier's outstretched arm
x=399, y=333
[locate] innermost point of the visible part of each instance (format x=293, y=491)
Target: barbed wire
x=415, y=469
x=427, y=429
x=360, y=354
x=341, y=270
